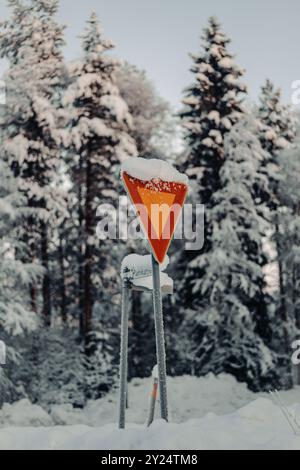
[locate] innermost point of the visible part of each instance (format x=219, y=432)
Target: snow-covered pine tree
x=54, y=371
x=213, y=104
x=100, y=140
x=102, y=361
x=16, y=316
x=288, y=196
x=277, y=132
x=32, y=40
x=154, y=128
x=277, y=129
x=222, y=323
x=64, y=264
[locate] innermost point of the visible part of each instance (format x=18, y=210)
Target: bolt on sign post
x=158, y=192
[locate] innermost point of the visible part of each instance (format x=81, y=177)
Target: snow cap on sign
x=147, y=170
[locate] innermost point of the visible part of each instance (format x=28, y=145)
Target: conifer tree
x=154, y=128
x=32, y=40
x=277, y=129
x=16, y=315
x=213, y=105
x=100, y=140
x=230, y=295
x=288, y=191
x=277, y=132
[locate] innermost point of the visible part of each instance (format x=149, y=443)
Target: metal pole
x=124, y=357
x=160, y=340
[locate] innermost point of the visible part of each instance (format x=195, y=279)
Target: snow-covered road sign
x=158, y=192
x=158, y=204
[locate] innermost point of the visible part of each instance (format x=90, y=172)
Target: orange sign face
x=158, y=204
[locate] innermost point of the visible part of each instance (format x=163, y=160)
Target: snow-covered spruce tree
x=221, y=324
x=213, y=104
x=212, y=107
x=16, y=316
x=277, y=129
x=100, y=140
x=64, y=266
x=102, y=361
x=289, y=199
x=54, y=370
x=31, y=40
x=277, y=132
x=154, y=128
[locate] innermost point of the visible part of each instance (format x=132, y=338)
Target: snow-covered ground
x=206, y=413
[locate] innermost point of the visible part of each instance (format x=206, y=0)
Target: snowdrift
x=259, y=425
x=206, y=413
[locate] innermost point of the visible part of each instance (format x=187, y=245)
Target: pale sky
x=157, y=35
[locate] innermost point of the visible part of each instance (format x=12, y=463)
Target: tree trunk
x=33, y=298
x=46, y=277
x=88, y=303
x=63, y=297
x=136, y=348
x=80, y=253
x=281, y=272
x=286, y=346
x=32, y=255
x=296, y=273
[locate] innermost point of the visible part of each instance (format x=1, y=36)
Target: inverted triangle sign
x=158, y=204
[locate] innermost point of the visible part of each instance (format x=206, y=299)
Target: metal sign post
x=124, y=356
x=160, y=339
x=137, y=279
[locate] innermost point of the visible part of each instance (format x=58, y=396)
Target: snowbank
x=215, y=412
x=24, y=413
x=147, y=170
x=258, y=425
